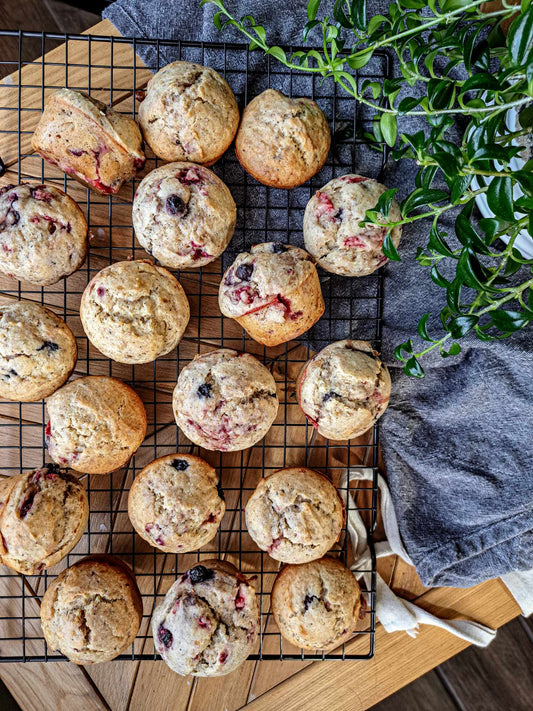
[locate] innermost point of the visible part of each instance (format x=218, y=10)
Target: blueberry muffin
x=183, y=215
x=189, y=113
x=225, y=400
x=282, y=142
x=37, y=351
x=273, y=291
x=344, y=389
x=175, y=504
x=85, y=138
x=43, y=234
x=96, y=424
x=207, y=624
x=92, y=611
x=295, y=515
x=134, y=312
x=316, y=605
x=332, y=232
x=43, y=514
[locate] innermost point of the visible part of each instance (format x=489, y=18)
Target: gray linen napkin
x=456, y=445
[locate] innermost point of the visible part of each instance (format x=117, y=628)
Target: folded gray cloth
x=456, y=445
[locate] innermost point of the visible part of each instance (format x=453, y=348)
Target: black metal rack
x=354, y=308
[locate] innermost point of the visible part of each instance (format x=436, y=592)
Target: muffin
x=225, y=400
x=134, y=312
x=344, y=389
x=189, y=113
x=316, y=605
x=282, y=142
x=273, y=291
x=43, y=514
x=183, y=215
x=37, y=351
x=174, y=503
x=332, y=232
x=208, y=622
x=98, y=146
x=295, y=515
x=92, y=611
x=96, y=424
x=43, y=233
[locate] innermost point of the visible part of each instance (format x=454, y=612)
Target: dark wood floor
x=499, y=678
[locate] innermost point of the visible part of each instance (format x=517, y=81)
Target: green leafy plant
x=467, y=67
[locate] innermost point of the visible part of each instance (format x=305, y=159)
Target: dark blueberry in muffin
x=180, y=464
x=308, y=601
x=50, y=346
x=175, y=206
x=329, y=395
x=205, y=390
x=2, y=168
x=278, y=247
x=200, y=574
x=165, y=636
x=244, y=272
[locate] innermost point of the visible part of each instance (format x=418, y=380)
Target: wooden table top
x=291, y=685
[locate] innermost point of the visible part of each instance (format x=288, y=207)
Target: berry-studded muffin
x=225, y=400
x=134, y=312
x=37, y=351
x=189, y=113
x=43, y=233
x=207, y=624
x=344, y=389
x=175, y=503
x=96, y=424
x=85, y=138
x=183, y=215
x=43, y=514
x=92, y=611
x=316, y=605
x=295, y=515
x=332, y=232
x=273, y=291
x=282, y=142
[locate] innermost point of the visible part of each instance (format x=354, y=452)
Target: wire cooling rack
x=108, y=69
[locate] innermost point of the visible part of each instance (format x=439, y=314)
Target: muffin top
x=344, y=389
x=295, y=514
x=174, y=503
x=43, y=514
x=189, y=113
x=37, y=351
x=281, y=141
x=43, y=233
x=332, y=230
x=134, y=312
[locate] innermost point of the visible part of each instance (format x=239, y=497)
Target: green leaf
x=384, y=202
x=481, y=81
x=358, y=14
x=375, y=22
x=408, y=104
x=312, y=9
x=459, y=326
x=217, y=19
x=389, y=249
x=467, y=235
x=500, y=198
x=413, y=369
x=446, y=162
x=525, y=178
x=459, y=186
x=466, y=270
x=453, y=294
x=362, y=58
x=278, y=53
x=525, y=117
x=437, y=278
x=389, y=128
x=436, y=241
x=402, y=348
x=421, y=196
x=509, y=321
x=520, y=37
x=422, y=328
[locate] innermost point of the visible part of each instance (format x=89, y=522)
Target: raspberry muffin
x=225, y=400
x=282, y=142
x=344, y=389
x=92, y=611
x=37, y=351
x=273, y=291
x=183, y=215
x=207, y=624
x=43, y=514
x=96, y=424
x=134, y=312
x=295, y=515
x=332, y=232
x=316, y=605
x=189, y=113
x=96, y=145
x=175, y=503
x=43, y=234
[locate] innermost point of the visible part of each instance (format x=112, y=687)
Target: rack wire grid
x=108, y=68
